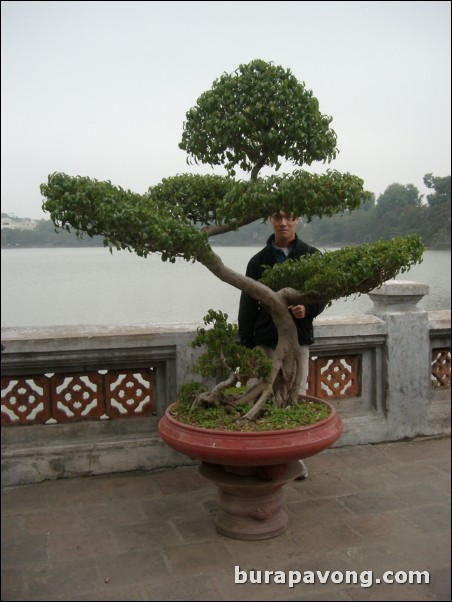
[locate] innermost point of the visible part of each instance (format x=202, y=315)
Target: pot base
x=251, y=507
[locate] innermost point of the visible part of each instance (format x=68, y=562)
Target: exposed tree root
x=215, y=396
x=283, y=384
x=260, y=403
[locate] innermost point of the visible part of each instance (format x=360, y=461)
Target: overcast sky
x=101, y=89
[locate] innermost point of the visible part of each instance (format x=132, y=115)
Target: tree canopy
x=258, y=116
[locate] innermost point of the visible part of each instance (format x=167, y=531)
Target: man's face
x=284, y=227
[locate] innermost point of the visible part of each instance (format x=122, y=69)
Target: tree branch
x=256, y=169
x=214, y=229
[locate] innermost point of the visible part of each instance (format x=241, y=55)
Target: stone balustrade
x=86, y=400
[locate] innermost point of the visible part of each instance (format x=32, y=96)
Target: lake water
x=74, y=286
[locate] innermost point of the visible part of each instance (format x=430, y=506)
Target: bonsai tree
x=258, y=116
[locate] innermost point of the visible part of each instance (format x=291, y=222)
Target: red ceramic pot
x=264, y=448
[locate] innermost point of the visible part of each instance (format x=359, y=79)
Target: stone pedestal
x=250, y=468
x=395, y=296
x=251, y=507
x=407, y=350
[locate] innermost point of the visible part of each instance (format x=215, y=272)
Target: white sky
x=101, y=89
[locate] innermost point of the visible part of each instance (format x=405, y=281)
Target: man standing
x=256, y=327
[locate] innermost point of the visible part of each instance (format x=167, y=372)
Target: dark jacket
x=256, y=326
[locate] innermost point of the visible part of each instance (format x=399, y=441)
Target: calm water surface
x=45, y=287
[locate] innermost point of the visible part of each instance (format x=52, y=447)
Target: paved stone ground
x=151, y=536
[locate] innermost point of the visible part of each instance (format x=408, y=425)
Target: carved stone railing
x=86, y=400
x=100, y=392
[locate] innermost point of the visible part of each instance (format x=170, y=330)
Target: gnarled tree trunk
x=285, y=377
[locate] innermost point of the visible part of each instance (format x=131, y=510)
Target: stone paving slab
x=363, y=510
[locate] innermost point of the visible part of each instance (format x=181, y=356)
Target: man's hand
x=298, y=311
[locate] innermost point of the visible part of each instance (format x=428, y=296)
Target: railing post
x=407, y=354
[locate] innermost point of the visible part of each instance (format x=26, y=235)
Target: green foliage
x=398, y=195
x=271, y=419
x=193, y=198
x=223, y=354
x=300, y=193
x=126, y=220
x=259, y=112
x=441, y=188
x=348, y=271
x=167, y=218
x=189, y=391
